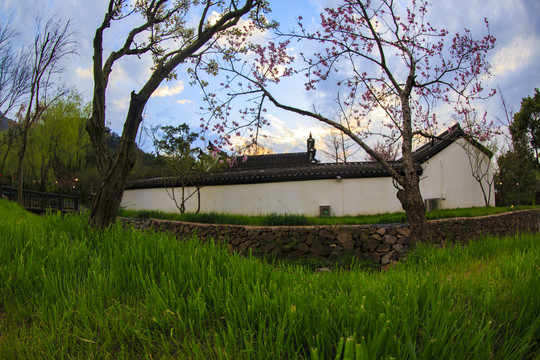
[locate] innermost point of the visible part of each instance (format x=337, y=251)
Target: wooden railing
x=40, y=201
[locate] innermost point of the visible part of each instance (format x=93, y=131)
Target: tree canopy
x=172, y=38
x=525, y=129
x=392, y=69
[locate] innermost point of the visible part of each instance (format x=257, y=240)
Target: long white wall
x=346, y=197
x=447, y=176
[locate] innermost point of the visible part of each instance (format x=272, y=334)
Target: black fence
x=40, y=201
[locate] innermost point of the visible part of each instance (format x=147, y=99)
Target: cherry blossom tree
x=165, y=32
x=390, y=68
x=386, y=150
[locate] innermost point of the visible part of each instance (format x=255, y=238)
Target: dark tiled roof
x=314, y=171
x=297, y=167
x=271, y=160
x=438, y=144
x=442, y=141
x=309, y=171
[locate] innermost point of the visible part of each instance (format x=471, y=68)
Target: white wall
x=346, y=197
x=447, y=176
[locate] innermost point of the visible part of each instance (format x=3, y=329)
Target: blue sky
x=515, y=24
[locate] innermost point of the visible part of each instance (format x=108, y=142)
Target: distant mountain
x=4, y=122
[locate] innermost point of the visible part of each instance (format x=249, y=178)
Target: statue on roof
x=311, y=149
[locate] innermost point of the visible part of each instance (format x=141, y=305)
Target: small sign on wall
x=324, y=211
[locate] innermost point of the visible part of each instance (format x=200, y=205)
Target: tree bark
x=413, y=204
x=198, y=199
x=20, y=167
x=107, y=201
x=109, y=196
x=409, y=194
x=183, y=203
x=20, y=174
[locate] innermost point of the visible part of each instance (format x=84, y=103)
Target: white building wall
x=447, y=176
x=345, y=197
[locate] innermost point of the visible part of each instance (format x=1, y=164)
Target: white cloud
x=121, y=103
x=165, y=90
x=119, y=77
x=257, y=36
x=290, y=136
x=184, y=101
x=84, y=73
x=213, y=18
x=515, y=55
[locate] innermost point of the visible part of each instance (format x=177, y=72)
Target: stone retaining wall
x=382, y=244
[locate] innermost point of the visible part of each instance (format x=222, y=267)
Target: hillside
x=4, y=122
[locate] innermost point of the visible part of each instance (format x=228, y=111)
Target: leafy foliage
x=525, y=128
x=519, y=168
x=517, y=178
x=59, y=156
x=189, y=165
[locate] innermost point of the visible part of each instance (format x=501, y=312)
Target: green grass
x=300, y=220
x=220, y=218
x=67, y=291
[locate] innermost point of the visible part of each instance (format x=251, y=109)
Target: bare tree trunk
x=413, y=204
x=109, y=196
x=20, y=167
x=198, y=199
x=409, y=195
x=4, y=161
x=52, y=43
x=107, y=201
x=486, y=192
x=20, y=175
x=183, y=204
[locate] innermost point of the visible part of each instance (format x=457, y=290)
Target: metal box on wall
x=324, y=211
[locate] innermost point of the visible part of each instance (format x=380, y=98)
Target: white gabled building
x=297, y=184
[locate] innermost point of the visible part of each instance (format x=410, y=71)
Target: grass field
x=300, y=220
x=67, y=291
